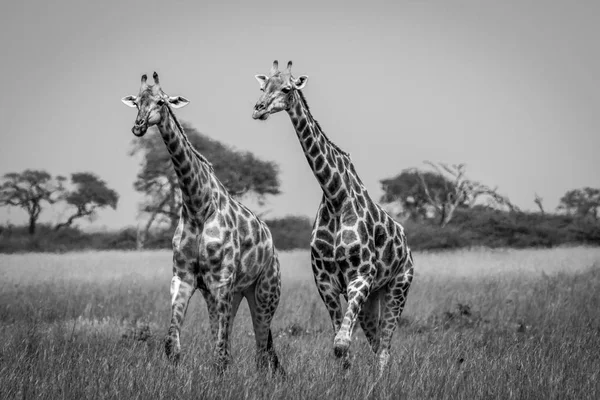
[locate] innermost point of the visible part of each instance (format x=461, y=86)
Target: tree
x=90, y=193
x=407, y=189
x=29, y=190
x=581, y=202
x=443, y=190
x=242, y=173
x=539, y=202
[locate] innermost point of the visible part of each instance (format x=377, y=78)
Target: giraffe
x=357, y=249
x=219, y=247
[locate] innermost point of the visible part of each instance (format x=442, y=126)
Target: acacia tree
x=89, y=194
x=444, y=189
x=464, y=192
x=242, y=173
x=581, y=202
x=407, y=189
x=29, y=190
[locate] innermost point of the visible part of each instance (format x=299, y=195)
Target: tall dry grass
x=478, y=324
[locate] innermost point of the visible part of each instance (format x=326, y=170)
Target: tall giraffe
x=357, y=249
x=220, y=247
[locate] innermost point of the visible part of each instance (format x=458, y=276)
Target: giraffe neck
x=331, y=165
x=193, y=171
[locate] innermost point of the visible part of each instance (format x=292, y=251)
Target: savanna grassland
x=478, y=324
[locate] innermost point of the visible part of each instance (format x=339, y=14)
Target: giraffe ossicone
x=357, y=249
x=220, y=247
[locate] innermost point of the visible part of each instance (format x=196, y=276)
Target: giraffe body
x=357, y=249
x=219, y=247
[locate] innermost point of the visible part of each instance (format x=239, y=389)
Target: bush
x=475, y=227
x=291, y=232
x=480, y=226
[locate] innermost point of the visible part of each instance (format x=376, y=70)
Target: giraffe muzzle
x=260, y=112
x=139, y=130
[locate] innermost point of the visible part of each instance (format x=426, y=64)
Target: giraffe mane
x=305, y=105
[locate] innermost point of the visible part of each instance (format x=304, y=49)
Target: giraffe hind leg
x=368, y=319
x=263, y=300
x=393, y=304
x=224, y=303
x=211, y=306
x=330, y=295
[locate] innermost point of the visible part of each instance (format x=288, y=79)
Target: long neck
x=330, y=164
x=194, y=173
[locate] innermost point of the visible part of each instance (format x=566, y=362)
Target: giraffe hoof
x=383, y=362
x=221, y=364
x=172, y=349
x=277, y=369
x=341, y=347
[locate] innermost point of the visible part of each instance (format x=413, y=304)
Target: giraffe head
x=152, y=104
x=278, y=91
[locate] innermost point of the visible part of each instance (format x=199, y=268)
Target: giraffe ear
x=178, y=101
x=300, y=82
x=262, y=80
x=129, y=101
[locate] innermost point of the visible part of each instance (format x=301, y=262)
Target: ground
x=477, y=324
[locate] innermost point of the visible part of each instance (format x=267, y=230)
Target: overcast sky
x=510, y=88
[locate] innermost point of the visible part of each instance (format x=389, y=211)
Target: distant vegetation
x=439, y=206
x=291, y=232
x=479, y=226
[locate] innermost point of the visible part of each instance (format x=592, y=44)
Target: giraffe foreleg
x=263, y=302
x=393, y=305
x=358, y=292
x=181, y=293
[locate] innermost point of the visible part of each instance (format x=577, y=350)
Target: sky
x=510, y=88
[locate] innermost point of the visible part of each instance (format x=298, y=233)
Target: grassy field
x=478, y=324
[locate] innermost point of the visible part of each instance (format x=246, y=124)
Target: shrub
x=475, y=227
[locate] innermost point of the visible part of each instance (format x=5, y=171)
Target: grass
x=478, y=324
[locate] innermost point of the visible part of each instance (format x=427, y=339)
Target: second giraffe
x=357, y=249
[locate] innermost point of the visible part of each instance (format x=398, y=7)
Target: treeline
x=473, y=227
x=483, y=226
x=440, y=206
x=289, y=233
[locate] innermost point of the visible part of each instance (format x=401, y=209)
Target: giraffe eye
x=160, y=102
x=286, y=90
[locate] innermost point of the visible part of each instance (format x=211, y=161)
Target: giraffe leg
x=181, y=293
x=263, y=300
x=358, y=292
x=393, y=304
x=330, y=295
x=369, y=319
x=211, y=306
x=224, y=305
x=235, y=304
